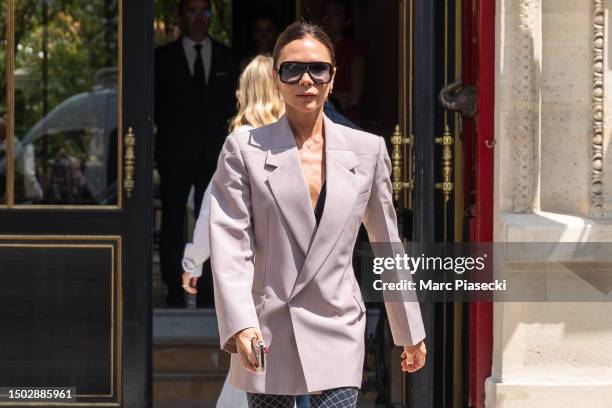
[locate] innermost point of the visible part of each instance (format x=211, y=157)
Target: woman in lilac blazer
x=286, y=204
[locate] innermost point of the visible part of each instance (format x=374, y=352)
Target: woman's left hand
x=413, y=357
x=190, y=283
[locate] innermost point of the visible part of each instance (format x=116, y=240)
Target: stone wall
x=551, y=107
x=552, y=184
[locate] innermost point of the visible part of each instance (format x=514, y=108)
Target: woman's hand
x=413, y=357
x=190, y=283
x=244, y=343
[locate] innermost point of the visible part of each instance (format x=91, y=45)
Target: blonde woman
x=259, y=104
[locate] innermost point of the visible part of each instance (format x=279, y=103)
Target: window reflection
x=66, y=102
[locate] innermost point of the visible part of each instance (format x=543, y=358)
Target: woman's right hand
x=243, y=340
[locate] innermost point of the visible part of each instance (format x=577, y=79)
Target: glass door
x=75, y=187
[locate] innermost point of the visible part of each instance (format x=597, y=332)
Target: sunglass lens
x=321, y=73
x=292, y=72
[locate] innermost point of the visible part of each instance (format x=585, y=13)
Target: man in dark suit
x=195, y=80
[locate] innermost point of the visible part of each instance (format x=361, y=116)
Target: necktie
x=199, y=75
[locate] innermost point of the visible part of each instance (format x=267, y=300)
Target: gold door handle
x=447, y=184
x=397, y=141
x=129, y=161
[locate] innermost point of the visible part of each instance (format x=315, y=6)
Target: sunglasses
x=290, y=72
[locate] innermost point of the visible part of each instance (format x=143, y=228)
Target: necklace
x=309, y=146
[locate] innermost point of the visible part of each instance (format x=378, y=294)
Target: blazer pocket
x=359, y=299
x=362, y=198
x=259, y=299
x=366, y=194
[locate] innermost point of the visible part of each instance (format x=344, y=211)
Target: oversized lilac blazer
x=274, y=269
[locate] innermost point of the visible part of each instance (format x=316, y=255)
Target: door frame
x=138, y=50
x=437, y=57
x=129, y=223
x=422, y=13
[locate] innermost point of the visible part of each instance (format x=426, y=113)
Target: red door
x=479, y=141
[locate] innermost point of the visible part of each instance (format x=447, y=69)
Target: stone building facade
x=553, y=183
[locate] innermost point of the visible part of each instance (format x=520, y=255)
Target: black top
x=320, y=204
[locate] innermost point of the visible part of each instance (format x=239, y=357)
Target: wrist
x=235, y=336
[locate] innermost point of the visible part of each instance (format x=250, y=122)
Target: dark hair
x=298, y=30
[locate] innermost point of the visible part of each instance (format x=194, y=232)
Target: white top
x=191, y=54
x=198, y=251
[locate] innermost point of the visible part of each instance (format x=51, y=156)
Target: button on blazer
x=274, y=269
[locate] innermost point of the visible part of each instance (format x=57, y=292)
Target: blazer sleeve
x=381, y=223
x=198, y=251
x=231, y=245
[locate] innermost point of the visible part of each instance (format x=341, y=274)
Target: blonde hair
x=259, y=101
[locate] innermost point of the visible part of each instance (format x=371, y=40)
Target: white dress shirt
x=191, y=53
x=198, y=251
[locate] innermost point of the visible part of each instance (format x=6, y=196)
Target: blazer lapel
x=288, y=185
x=341, y=193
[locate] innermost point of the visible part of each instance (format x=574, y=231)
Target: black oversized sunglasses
x=290, y=72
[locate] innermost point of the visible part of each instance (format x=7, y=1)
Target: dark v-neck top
x=318, y=211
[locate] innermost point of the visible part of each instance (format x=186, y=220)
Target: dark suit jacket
x=188, y=129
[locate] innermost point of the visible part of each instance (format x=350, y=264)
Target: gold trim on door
x=447, y=140
x=129, y=162
x=402, y=139
x=115, y=362
x=409, y=168
x=10, y=122
x=398, y=144
x=458, y=145
x=10, y=95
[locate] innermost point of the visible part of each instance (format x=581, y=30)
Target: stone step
x=190, y=368
x=175, y=325
x=177, y=357
x=195, y=386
